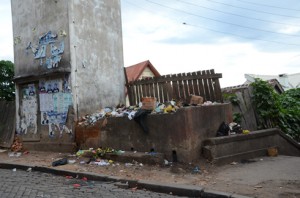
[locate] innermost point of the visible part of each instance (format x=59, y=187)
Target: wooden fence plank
x=219, y=97
x=195, y=84
x=130, y=93
x=173, y=78
x=160, y=90
x=175, y=94
x=147, y=89
x=201, y=84
x=177, y=86
x=205, y=84
x=165, y=92
x=185, y=87
x=155, y=91
x=181, y=88
x=210, y=86
x=140, y=95
x=190, y=85
x=151, y=90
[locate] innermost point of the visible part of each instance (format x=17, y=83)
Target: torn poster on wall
x=49, y=60
x=28, y=122
x=58, y=129
x=54, y=105
x=57, y=124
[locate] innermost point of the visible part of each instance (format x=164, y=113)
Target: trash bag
x=140, y=117
x=235, y=128
x=60, y=162
x=223, y=130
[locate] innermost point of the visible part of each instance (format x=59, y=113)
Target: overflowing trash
x=230, y=129
x=141, y=110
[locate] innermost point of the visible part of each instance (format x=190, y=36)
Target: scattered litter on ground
x=101, y=163
x=272, y=152
x=76, y=185
x=60, y=162
x=14, y=169
x=71, y=161
x=196, y=170
x=14, y=154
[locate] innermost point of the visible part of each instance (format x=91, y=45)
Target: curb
x=174, y=189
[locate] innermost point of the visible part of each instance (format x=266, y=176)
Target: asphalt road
x=15, y=184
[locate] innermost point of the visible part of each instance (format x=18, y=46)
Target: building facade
x=68, y=57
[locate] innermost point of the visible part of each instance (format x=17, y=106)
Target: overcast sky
x=233, y=37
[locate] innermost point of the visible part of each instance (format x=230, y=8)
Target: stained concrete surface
x=255, y=171
x=260, y=177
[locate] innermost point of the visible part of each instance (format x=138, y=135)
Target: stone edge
x=174, y=189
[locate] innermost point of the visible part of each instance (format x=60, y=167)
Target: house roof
x=133, y=72
x=287, y=81
x=273, y=82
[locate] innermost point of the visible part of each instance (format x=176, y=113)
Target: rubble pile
x=17, y=145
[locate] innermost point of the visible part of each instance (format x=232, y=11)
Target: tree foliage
x=276, y=110
x=7, y=86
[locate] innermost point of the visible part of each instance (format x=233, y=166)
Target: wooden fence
x=178, y=87
x=7, y=123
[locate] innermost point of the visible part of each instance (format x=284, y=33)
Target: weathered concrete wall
x=182, y=132
x=31, y=19
x=97, y=54
x=75, y=45
x=234, y=148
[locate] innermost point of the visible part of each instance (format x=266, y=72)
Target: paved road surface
x=15, y=184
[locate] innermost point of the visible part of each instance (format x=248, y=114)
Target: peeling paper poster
x=28, y=115
x=46, y=102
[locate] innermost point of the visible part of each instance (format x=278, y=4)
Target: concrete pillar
x=75, y=45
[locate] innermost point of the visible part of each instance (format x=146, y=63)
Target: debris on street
x=17, y=145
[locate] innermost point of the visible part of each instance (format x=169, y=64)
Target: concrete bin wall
x=181, y=132
x=226, y=149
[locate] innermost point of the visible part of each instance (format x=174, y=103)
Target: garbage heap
x=147, y=105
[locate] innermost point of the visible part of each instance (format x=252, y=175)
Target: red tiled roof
x=134, y=72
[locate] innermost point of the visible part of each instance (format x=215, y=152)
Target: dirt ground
x=241, y=178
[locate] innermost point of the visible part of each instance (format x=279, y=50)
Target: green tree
x=266, y=103
x=7, y=86
x=274, y=110
x=290, y=113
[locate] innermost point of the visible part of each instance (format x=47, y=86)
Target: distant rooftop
x=133, y=72
x=287, y=81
